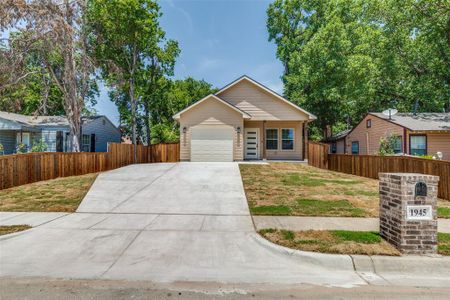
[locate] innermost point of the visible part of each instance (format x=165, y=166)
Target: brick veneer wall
x=397, y=190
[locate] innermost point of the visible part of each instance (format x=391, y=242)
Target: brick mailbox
x=408, y=217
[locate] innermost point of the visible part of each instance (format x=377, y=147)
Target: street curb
x=407, y=265
x=329, y=261
x=420, y=265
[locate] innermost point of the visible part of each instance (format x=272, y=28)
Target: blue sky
x=219, y=41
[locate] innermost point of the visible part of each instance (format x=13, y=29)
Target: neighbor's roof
x=420, y=121
x=35, y=120
x=43, y=120
x=338, y=136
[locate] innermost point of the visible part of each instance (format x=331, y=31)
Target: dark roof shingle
x=420, y=121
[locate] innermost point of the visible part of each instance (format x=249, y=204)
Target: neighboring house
x=417, y=134
x=96, y=132
x=243, y=120
x=337, y=142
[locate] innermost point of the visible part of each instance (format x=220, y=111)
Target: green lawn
x=56, y=195
x=13, y=228
x=444, y=243
x=294, y=189
x=342, y=241
x=443, y=212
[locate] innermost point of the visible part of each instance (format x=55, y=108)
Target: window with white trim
x=86, y=143
x=272, y=139
x=287, y=139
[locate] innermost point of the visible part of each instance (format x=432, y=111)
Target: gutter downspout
x=405, y=151
x=264, y=140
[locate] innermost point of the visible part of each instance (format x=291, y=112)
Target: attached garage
x=212, y=143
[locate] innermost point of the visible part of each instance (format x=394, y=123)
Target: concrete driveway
x=183, y=188
x=169, y=223
x=164, y=223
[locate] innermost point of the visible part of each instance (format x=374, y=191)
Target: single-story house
x=96, y=132
x=243, y=120
x=417, y=134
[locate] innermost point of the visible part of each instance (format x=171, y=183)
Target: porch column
x=305, y=140
x=264, y=140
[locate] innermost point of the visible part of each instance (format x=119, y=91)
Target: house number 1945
x=419, y=212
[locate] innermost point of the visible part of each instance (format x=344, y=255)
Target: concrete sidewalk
x=327, y=223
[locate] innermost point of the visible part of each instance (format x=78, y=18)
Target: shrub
x=21, y=148
x=39, y=147
x=387, y=145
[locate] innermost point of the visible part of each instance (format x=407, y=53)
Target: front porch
x=275, y=140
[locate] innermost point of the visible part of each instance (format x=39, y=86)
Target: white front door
x=251, y=143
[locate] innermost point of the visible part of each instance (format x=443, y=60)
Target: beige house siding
x=340, y=146
x=439, y=142
x=296, y=154
x=369, y=138
x=260, y=104
x=210, y=112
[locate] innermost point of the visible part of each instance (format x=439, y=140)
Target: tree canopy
x=344, y=58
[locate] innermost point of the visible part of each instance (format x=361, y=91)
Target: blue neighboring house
x=96, y=132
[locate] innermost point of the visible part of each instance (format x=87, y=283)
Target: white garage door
x=212, y=143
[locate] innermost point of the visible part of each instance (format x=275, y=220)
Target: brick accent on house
x=397, y=191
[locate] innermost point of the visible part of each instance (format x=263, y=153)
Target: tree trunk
x=72, y=103
x=133, y=117
x=147, y=124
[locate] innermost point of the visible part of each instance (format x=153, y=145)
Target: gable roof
x=42, y=121
x=338, y=136
x=86, y=120
x=35, y=120
x=212, y=96
x=273, y=93
x=419, y=121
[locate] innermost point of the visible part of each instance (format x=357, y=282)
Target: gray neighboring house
x=96, y=132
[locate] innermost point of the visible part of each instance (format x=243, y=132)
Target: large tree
x=34, y=93
x=127, y=35
x=344, y=58
x=55, y=29
x=155, y=83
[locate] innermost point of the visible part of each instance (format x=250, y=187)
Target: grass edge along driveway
x=62, y=194
x=13, y=228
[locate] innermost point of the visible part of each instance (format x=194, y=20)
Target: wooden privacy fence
x=318, y=155
x=18, y=169
x=370, y=165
